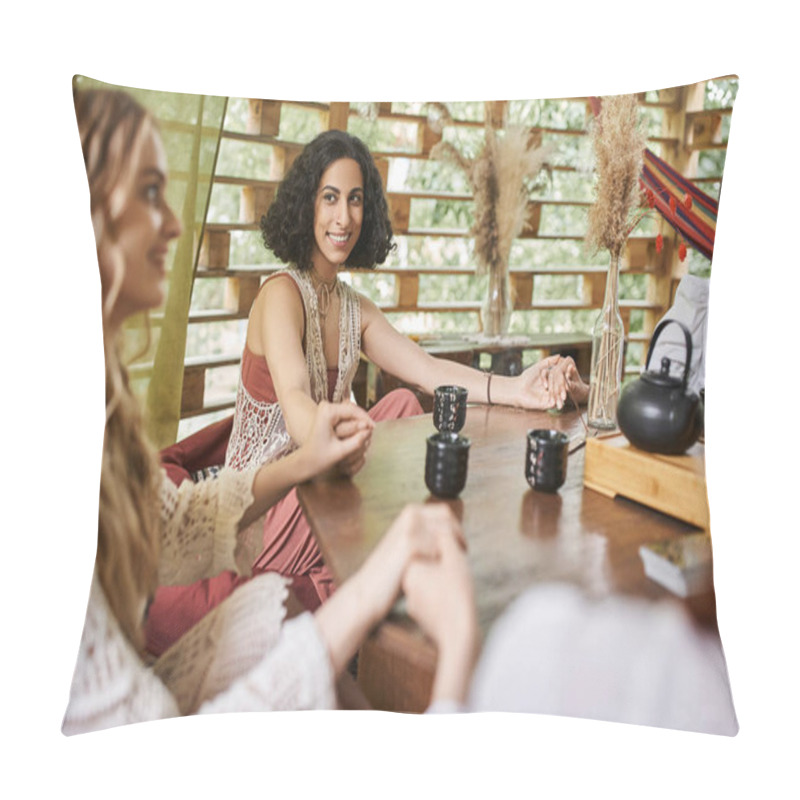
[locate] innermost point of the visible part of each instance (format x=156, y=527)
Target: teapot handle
x=661, y=325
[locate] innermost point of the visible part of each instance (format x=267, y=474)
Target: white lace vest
x=259, y=433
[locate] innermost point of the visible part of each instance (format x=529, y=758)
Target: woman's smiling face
x=338, y=214
x=144, y=230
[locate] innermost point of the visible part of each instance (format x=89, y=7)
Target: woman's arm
x=201, y=522
x=275, y=332
x=322, y=449
x=398, y=355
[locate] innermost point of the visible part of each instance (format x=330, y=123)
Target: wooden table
x=516, y=536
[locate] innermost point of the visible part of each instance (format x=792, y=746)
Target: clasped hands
x=339, y=437
x=550, y=382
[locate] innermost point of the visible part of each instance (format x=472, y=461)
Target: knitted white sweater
x=240, y=657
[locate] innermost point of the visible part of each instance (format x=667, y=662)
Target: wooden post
x=399, y=212
x=383, y=170
x=703, y=129
x=407, y=290
x=659, y=289
x=283, y=156
x=638, y=251
x=338, y=114
x=495, y=111
x=427, y=138
x=254, y=202
x=522, y=290
x=532, y=221
x=240, y=292
x=193, y=391
x=264, y=118
x=215, y=249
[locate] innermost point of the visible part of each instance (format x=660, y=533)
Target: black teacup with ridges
x=446, y=464
x=546, y=459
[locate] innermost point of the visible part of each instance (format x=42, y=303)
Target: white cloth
x=690, y=308
x=239, y=657
x=620, y=659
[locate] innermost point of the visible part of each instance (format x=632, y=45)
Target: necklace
x=323, y=291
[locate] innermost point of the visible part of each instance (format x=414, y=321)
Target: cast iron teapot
x=655, y=412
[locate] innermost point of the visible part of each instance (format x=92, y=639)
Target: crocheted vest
x=259, y=432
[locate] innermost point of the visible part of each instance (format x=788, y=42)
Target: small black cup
x=546, y=459
x=446, y=464
x=449, y=408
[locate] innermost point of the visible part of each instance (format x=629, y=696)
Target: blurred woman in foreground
x=243, y=655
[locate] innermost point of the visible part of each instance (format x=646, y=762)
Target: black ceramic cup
x=449, y=408
x=546, y=459
x=446, y=464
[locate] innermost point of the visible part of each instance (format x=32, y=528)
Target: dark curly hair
x=288, y=226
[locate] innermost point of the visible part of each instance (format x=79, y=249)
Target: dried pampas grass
x=499, y=178
x=618, y=142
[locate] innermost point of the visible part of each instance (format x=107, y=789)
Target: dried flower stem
x=497, y=177
x=618, y=142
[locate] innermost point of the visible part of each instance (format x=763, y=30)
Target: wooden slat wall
x=686, y=130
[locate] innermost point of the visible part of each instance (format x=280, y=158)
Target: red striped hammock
x=694, y=219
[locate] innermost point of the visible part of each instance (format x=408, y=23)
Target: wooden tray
x=674, y=485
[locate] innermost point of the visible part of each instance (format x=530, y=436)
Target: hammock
x=694, y=220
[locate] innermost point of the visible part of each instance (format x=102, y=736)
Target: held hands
x=339, y=436
x=563, y=381
x=346, y=429
x=439, y=595
x=419, y=534
x=549, y=382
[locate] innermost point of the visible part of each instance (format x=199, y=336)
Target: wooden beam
x=215, y=249
x=407, y=290
x=254, y=202
x=399, y=212
x=382, y=165
x=338, y=115
x=264, y=118
x=193, y=391
x=427, y=138
x=240, y=293
x=522, y=290
x=532, y=221
x=495, y=111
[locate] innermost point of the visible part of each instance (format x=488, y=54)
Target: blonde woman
x=243, y=655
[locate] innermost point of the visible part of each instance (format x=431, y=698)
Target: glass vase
x=608, y=338
x=496, y=308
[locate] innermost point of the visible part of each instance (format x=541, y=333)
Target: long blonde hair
x=113, y=127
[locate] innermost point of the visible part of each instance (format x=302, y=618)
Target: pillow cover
x=425, y=153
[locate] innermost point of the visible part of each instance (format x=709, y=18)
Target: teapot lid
x=662, y=379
